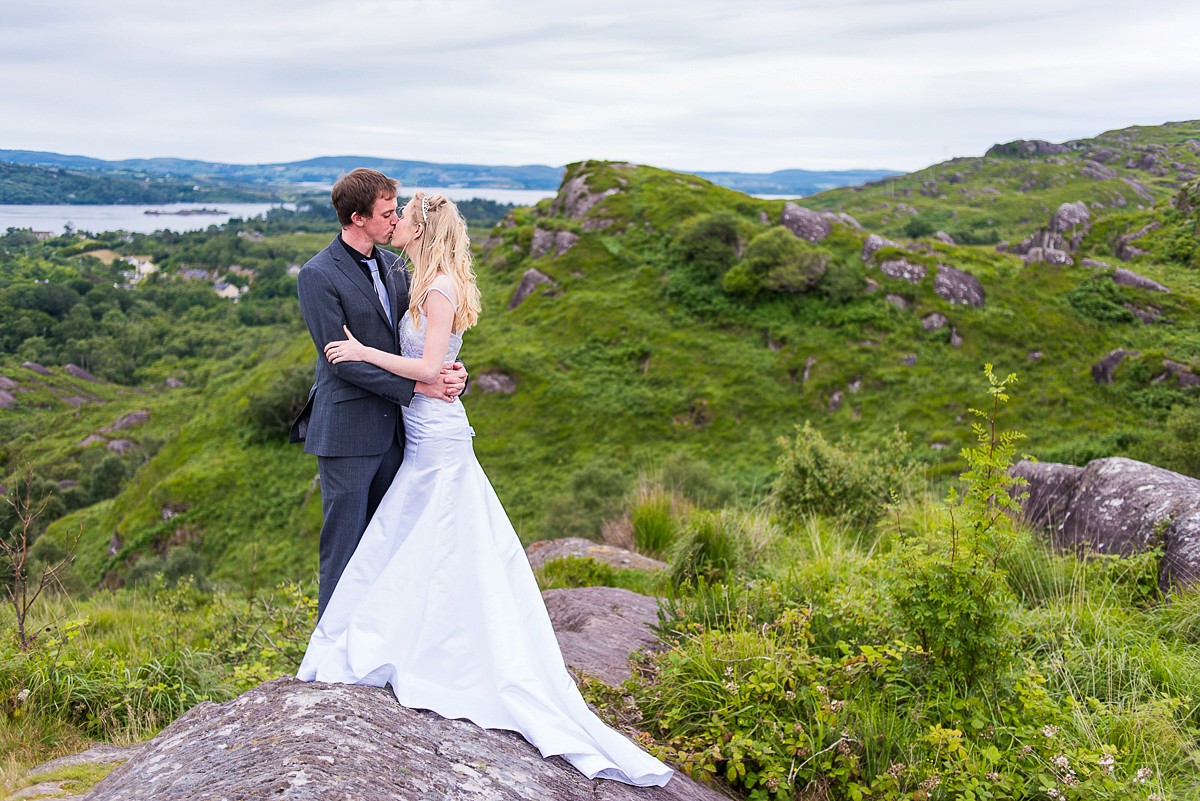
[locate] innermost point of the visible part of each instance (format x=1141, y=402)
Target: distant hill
x=793, y=183
x=30, y=184
x=322, y=172
x=1014, y=187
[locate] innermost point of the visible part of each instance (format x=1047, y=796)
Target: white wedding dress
x=439, y=602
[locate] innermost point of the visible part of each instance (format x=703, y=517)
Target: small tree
x=947, y=585
x=14, y=550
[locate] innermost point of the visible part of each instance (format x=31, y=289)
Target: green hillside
x=678, y=325
x=1016, y=186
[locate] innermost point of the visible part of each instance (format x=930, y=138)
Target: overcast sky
x=745, y=85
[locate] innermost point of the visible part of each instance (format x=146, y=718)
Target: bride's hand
x=345, y=350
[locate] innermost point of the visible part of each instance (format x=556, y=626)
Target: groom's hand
x=448, y=386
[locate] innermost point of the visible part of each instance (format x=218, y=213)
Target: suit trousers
x=351, y=489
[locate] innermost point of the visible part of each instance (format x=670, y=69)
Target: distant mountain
x=323, y=171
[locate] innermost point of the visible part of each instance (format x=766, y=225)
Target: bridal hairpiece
x=424, y=209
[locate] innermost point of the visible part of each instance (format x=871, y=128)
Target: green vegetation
x=698, y=383
x=802, y=659
x=1010, y=191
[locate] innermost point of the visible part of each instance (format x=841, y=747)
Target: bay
x=134, y=218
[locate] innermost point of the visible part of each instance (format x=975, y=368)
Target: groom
x=352, y=420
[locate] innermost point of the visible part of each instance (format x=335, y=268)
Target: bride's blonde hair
x=443, y=247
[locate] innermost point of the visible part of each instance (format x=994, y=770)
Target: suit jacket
x=353, y=408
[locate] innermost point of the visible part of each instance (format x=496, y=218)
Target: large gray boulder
x=1062, y=236
x=599, y=627
x=956, y=286
x=307, y=741
x=805, y=223
x=904, y=270
x=874, y=242
x=1129, y=278
x=1119, y=506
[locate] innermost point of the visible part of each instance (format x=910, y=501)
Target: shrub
x=708, y=244
x=271, y=411
x=696, y=481
x=946, y=585
x=1100, y=299
x=712, y=549
x=653, y=517
x=839, y=481
x=594, y=496
x=777, y=261
x=575, y=571
x=107, y=478
x=1178, y=448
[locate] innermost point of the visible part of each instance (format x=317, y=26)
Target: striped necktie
x=377, y=280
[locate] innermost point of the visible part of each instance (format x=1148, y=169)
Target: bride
x=439, y=601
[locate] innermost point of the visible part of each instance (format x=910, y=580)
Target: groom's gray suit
x=352, y=421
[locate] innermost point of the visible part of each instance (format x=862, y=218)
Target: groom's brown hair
x=357, y=191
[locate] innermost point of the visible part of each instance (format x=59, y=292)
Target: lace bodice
x=412, y=339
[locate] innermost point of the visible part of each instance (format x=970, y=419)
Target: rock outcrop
x=805, y=223
x=874, y=242
x=83, y=375
x=1126, y=250
x=543, y=551
x=1054, y=244
x=1119, y=506
x=575, y=199
x=307, y=741
x=494, y=382
x=904, y=270
x=1131, y=279
x=530, y=280
x=1103, y=370
x=299, y=740
x=599, y=627
x=956, y=286
x=550, y=242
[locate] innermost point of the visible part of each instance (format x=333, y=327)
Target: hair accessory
x=424, y=209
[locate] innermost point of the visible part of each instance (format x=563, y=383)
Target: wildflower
x=931, y=782
x=1107, y=762
x=822, y=689
x=1026, y=750
x=1142, y=775
x=789, y=695
x=1154, y=797
x=729, y=671
x=1049, y=731
x=896, y=769
x=993, y=776
x=1069, y=779
x=1052, y=792
x=1061, y=761
x=773, y=784
x=843, y=747
x=731, y=686
x=836, y=705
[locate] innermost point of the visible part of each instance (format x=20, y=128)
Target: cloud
x=753, y=85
